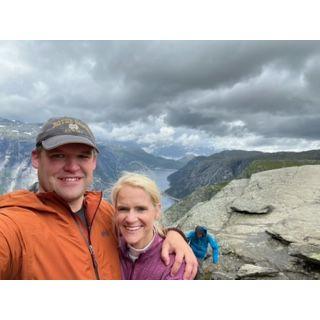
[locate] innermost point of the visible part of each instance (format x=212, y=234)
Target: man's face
x=67, y=170
x=199, y=234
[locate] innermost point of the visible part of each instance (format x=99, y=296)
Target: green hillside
x=265, y=165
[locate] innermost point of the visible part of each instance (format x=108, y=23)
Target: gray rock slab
x=309, y=253
x=264, y=239
x=214, y=213
x=249, y=270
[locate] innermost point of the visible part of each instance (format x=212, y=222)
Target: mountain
x=17, y=141
x=13, y=129
x=267, y=226
x=180, y=208
x=15, y=164
x=179, y=151
x=228, y=165
x=114, y=159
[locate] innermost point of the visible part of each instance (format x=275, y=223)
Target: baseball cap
x=64, y=130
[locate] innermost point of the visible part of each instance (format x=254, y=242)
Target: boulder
x=271, y=220
x=307, y=252
x=249, y=271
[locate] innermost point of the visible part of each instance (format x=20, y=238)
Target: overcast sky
x=252, y=95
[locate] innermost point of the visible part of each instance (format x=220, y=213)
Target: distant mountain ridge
x=17, y=141
x=228, y=165
x=13, y=129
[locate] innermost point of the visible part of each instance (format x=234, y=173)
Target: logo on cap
x=73, y=127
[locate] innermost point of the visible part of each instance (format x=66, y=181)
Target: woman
x=136, y=199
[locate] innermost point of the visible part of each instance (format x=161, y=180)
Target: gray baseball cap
x=64, y=130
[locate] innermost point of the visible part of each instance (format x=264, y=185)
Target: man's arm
x=175, y=243
x=215, y=248
x=10, y=250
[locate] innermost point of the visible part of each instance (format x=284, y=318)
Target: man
x=65, y=231
x=199, y=239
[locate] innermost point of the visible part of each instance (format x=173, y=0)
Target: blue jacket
x=200, y=245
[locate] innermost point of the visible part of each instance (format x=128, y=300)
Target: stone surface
x=250, y=270
x=280, y=239
x=178, y=210
x=309, y=253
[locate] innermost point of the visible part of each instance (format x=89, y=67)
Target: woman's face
x=135, y=215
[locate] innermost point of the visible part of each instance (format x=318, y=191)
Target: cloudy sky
x=252, y=95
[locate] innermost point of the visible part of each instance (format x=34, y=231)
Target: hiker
x=65, y=231
x=199, y=239
x=137, y=203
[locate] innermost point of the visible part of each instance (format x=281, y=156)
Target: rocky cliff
x=268, y=226
x=180, y=208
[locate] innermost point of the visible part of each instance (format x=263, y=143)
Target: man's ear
x=35, y=156
x=94, y=162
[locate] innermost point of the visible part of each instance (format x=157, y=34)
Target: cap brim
x=58, y=141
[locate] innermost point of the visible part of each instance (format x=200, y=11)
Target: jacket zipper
x=133, y=264
x=87, y=239
x=132, y=270
x=93, y=256
x=94, y=261
x=90, y=247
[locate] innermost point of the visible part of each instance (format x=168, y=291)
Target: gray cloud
x=224, y=89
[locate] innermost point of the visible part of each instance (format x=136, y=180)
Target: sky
x=250, y=95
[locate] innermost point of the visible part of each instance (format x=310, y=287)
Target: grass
x=265, y=165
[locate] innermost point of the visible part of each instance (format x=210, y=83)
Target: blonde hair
x=138, y=180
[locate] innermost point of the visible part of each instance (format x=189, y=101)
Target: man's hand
x=174, y=243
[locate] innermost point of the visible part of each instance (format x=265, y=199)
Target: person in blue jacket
x=199, y=240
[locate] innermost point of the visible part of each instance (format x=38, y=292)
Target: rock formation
x=268, y=226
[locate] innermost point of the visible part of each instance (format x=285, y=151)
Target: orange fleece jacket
x=40, y=239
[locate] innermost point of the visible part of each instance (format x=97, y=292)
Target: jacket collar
x=124, y=248
x=49, y=202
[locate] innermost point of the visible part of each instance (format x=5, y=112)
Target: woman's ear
x=158, y=209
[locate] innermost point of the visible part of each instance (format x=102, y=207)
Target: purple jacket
x=149, y=265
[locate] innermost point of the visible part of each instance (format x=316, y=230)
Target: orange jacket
x=40, y=239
